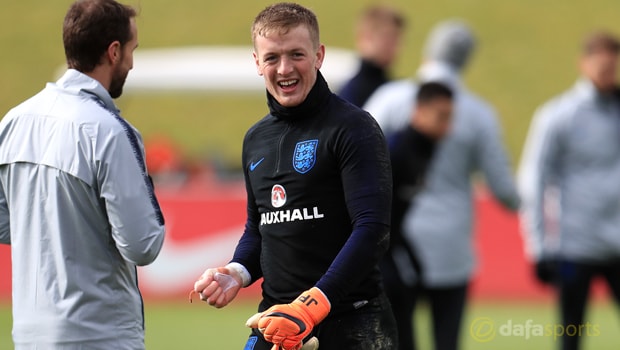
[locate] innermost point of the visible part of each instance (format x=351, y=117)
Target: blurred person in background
x=76, y=203
x=378, y=37
x=572, y=157
x=411, y=150
x=319, y=190
x=438, y=225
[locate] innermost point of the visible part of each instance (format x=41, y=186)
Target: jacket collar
x=78, y=82
x=314, y=102
x=586, y=90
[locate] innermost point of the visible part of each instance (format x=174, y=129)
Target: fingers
x=311, y=344
x=252, y=322
x=212, y=293
x=210, y=289
x=205, y=279
x=220, y=301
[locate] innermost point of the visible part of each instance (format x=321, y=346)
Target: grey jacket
x=569, y=177
x=439, y=223
x=79, y=212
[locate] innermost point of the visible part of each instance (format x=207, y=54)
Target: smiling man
x=319, y=187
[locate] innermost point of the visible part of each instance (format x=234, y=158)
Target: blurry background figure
x=378, y=38
x=573, y=147
x=411, y=150
x=165, y=161
x=439, y=224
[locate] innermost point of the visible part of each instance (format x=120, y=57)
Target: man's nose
x=285, y=66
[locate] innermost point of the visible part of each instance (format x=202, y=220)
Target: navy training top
x=319, y=190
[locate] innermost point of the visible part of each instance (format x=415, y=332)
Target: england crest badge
x=304, y=157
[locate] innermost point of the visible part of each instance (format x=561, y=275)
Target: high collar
x=585, y=88
x=77, y=82
x=369, y=68
x=316, y=99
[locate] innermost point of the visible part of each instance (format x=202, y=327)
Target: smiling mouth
x=288, y=84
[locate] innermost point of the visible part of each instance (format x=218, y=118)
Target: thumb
x=252, y=322
x=311, y=344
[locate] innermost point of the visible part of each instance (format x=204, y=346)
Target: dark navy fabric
x=319, y=187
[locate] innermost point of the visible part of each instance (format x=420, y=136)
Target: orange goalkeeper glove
x=287, y=325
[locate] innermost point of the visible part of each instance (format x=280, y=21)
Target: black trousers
x=447, y=306
x=371, y=327
x=574, y=280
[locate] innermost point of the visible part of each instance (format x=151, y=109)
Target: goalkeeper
x=318, y=182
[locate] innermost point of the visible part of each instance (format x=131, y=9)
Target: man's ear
x=259, y=69
x=320, y=55
x=113, y=54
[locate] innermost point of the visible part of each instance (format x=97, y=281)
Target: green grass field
x=181, y=326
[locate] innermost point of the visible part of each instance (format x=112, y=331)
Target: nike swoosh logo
x=254, y=165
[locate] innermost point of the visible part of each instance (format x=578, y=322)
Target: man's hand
x=546, y=271
x=286, y=325
x=218, y=286
x=311, y=344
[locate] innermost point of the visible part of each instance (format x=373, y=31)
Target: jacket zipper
x=279, y=151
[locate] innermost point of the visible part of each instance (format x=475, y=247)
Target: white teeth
x=288, y=82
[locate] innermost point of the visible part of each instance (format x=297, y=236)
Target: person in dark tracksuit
x=411, y=151
x=378, y=39
x=319, y=189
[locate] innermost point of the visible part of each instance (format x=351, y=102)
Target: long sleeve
x=248, y=250
x=495, y=165
x=133, y=211
x=534, y=178
x=367, y=184
x=5, y=230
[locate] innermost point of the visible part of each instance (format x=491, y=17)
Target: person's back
x=63, y=247
x=79, y=212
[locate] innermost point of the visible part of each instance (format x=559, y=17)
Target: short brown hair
x=89, y=28
x=600, y=41
x=378, y=16
x=284, y=16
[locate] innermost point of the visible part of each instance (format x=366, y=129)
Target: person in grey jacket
x=439, y=224
x=76, y=203
x=571, y=162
